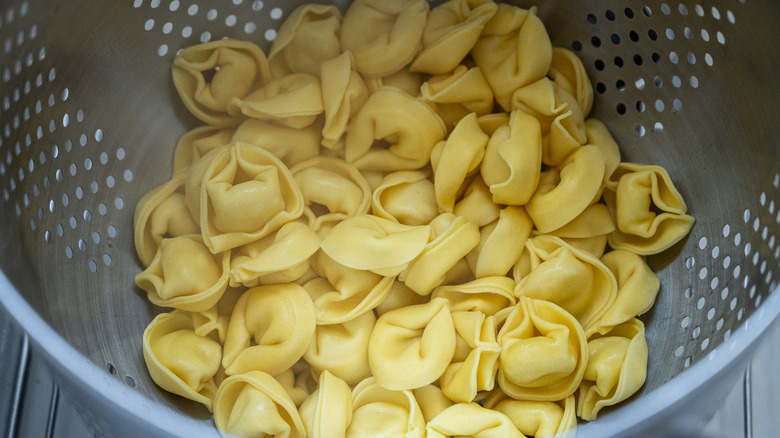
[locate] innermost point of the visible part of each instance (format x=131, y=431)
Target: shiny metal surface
x=89, y=118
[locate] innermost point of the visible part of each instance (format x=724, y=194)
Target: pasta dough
x=408, y=200
x=255, y=404
x=420, y=338
x=544, y=352
x=238, y=67
x=179, y=360
x=270, y=329
x=383, y=36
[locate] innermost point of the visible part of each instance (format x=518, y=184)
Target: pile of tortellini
x=401, y=222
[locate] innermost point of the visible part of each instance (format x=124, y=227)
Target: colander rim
x=661, y=401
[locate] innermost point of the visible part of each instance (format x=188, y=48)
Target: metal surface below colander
x=89, y=119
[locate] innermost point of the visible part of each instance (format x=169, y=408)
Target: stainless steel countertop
x=32, y=406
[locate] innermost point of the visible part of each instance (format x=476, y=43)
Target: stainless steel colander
x=89, y=118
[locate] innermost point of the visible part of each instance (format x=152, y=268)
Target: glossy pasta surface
x=400, y=221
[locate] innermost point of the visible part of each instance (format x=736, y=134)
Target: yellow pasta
x=401, y=222
x=420, y=338
x=327, y=412
x=451, y=30
x=238, y=67
x=378, y=411
x=307, y=39
x=270, y=329
x=179, y=360
x=383, y=36
x=255, y=404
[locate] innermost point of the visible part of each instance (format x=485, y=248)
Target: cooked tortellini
x=247, y=179
x=458, y=94
x=280, y=257
x=254, y=404
x=270, y=329
x=327, y=412
x=197, y=143
x=161, y=213
x=540, y=419
x=185, y=275
x=475, y=363
x=420, y=338
x=581, y=283
x=407, y=124
x=343, y=93
x=237, y=68
x=471, y=419
x=294, y=100
x=179, y=360
x=406, y=196
x=291, y=145
x=378, y=411
x=513, y=159
x=544, y=352
x=308, y=38
x=383, y=36
x=403, y=221
x=450, y=32
x=340, y=293
x=454, y=159
x=640, y=192
x=617, y=368
x=513, y=50
x=342, y=349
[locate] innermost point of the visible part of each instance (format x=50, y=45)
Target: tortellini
x=294, y=100
x=570, y=278
x=513, y=50
x=343, y=93
x=406, y=196
x=540, y=419
x=237, y=68
x=544, y=352
x=475, y=363
x=458, y=94
x=406, y=123
x=327, y=412
x=342, y=349
x=250, y=180
x=291, y=145
x=450, y=32
x=340, y=293
x=420, y=338
x=332, y=190
x=185, y=275
x=280, y=257
x=642, y=190
x=471, y=419
x=255, y=404
x=383, y=36
x=161, y=213
x=179, y=360
x=270, y=329
x=617, y=368
x=404, y=221
x=513, y=158
x=454, y=159
x=378, y=411
x=308, y=38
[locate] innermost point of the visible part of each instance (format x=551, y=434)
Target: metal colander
x=89, y=118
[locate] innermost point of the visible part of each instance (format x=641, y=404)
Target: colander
x=89, y=118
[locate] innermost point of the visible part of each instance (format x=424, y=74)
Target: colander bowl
x=89, y=118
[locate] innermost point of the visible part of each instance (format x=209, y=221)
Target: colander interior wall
x=89, y=119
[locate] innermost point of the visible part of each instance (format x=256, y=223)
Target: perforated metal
x=89, y=119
